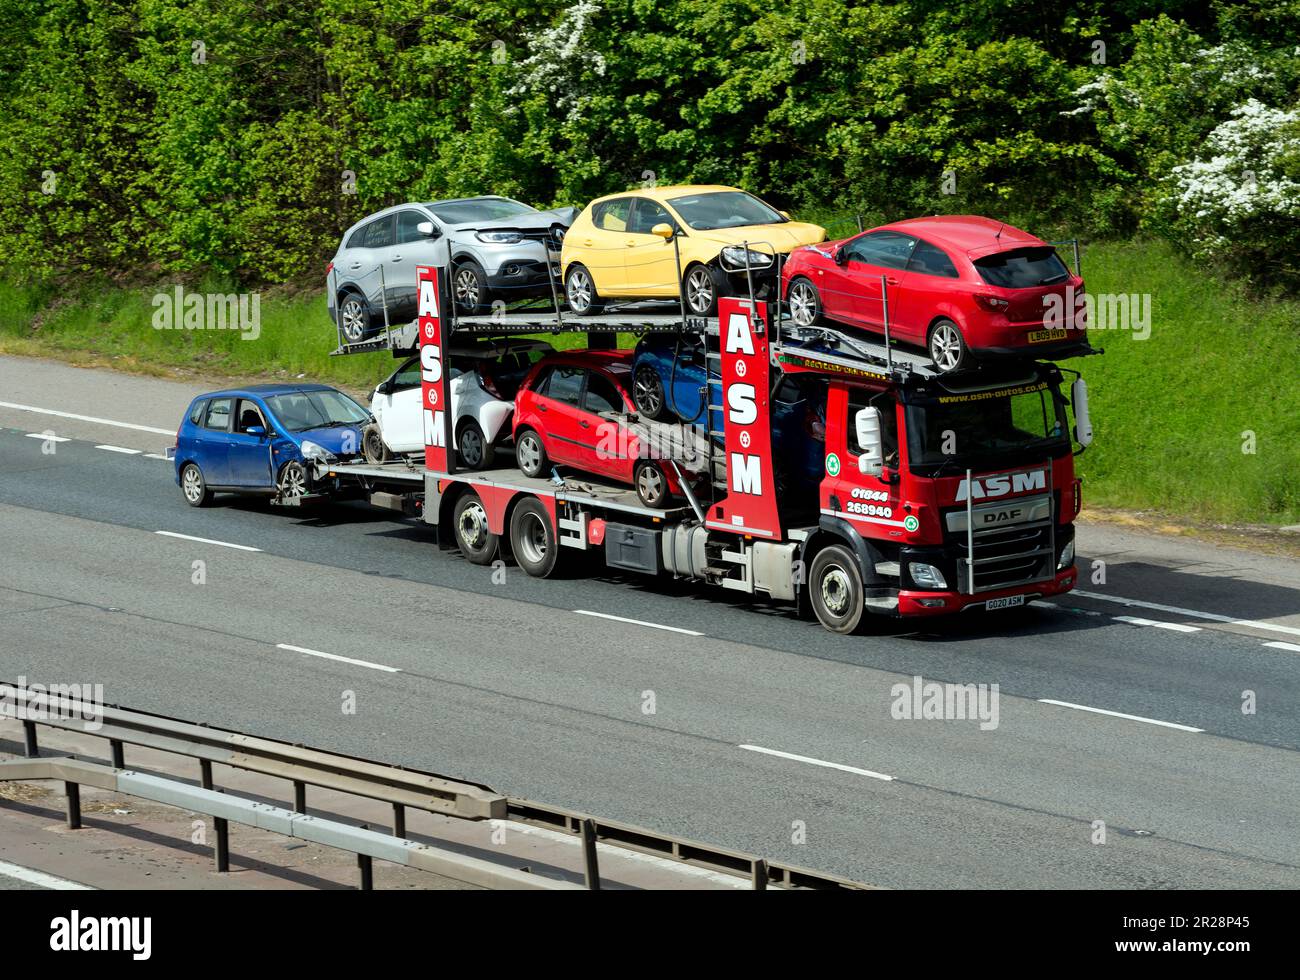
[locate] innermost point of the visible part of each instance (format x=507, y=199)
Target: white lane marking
x=816, y=762
x=41, y=879
x=1176, y=627
x=156, y=456
x=121, y=449
x=1279, y=645
x=190, y=537
x=48, y=438
x=1120, y=714
x=87, y=418
x=344, y=660
x=636, y=622
x=1195, y=614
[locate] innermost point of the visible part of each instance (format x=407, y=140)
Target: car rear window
x=196, y=410
x=1023, y=268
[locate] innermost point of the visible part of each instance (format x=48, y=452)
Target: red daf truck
x=940, y=493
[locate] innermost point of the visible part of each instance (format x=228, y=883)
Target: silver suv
x=497, y=249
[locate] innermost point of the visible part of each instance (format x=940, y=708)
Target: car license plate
x=1039, y=336
x=1006, y=602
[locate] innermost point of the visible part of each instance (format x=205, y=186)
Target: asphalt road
x=505, y=682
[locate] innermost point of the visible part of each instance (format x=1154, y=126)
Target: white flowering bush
x=560, y=60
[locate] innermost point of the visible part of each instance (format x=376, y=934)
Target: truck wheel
x=651, y=485
x=835, y=587
x=947, y=346
x=373, y=445
x=469, y=521
x=532, y=538
x=475, y=450
x=530, y=453
x=194, y=486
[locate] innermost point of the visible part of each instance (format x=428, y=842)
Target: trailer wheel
x=475, y=450
x=835, y=587
x=194, y=486
x=469, y=522
x=530, y=453
x=532, y=538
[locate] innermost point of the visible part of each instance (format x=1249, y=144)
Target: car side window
x=378, y=234
x=196, y=412
x=406, y=227
x=565, y=384
x=601, y=395
x=407, y=376
x=247, y=415
x=646, y=214
x=218, y=418
x=612, y=215
x=888, y=249
x=930, y=260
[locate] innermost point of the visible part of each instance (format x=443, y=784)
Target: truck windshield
x=1004, y=427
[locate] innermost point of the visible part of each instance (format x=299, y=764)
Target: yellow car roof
x=664, y=193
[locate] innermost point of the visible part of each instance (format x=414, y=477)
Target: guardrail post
x=299, y=796
x=73, y=792
x=29, y=736
x=205, y=773
x=590, y=867
x=119, y=753
x=399, y=820
x=223, y=843
x=366, y=864
x=760, y=875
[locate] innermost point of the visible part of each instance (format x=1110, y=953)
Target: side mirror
x=427, y=229
x=840, y=256
x=256, y=430
x=664, y=230
x=871, y=462
x=1082, y=423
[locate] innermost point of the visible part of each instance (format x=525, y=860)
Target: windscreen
x=983, y=429
x=299, y=411
x=724, y=209
x=486, y=209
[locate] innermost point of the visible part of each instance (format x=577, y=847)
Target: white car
x=483, y=380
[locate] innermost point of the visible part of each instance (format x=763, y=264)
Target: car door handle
x=541, y=408
x=585, y=424
x=587, y=242
x=630, y=243
x=396, y=258
x=355, y=265
x=891, y=280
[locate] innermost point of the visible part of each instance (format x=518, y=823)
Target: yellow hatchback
x=654, y=244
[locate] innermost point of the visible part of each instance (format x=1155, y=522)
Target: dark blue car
x=264, y=440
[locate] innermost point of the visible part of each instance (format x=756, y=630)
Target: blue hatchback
x=264, y=440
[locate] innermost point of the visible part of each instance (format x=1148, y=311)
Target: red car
x=959, y=285
x=572, y=409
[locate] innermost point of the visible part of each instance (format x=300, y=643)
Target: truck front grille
x=1007, y=556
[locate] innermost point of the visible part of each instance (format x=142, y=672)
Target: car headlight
x=1067, y=556
x=311, y=450
x=499, y=237
x=926, y=576
x=737, y=258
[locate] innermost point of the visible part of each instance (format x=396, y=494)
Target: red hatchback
x=572, y=409
x=956, y=284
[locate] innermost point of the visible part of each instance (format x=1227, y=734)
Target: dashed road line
x=1176, y=627
x=1279, y=645
x=1120, y=714
x=190, y=537
x=121, y=449
x=816, y=762
x=637, y=622
x=335, y=656
x=1194, y=613
x=47, y=437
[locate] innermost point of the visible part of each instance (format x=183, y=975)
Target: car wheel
x=947, y=347
x=469, y=286
x=530, y=453
x=293, y=480
x=648, y=392
x=651, y=484
x=701, y=286
x=532, y=538
x=354, y=318
x=194, y=486
x=805, y=303
x=373, y=445
x=580, y=292
x=835, y=587
x=469, y=522
x=475, y=451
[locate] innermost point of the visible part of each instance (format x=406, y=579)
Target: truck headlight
x=1067, y=556
x=737, y=257
x=499, y=237
x=311, y=450
x=926, y=576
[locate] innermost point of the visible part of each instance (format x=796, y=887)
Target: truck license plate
x=1041, y=336
x=1006, y=602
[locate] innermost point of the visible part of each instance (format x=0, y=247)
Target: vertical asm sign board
x=433, y=379
x=750, y=504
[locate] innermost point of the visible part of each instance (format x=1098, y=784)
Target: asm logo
x=1001, y=485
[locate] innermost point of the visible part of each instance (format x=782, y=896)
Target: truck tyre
x=532, y=538
x=373, y=445
x=476, y=452
x=530, y=453
x=194, y=486
x=835, y=588
x=469, y=522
